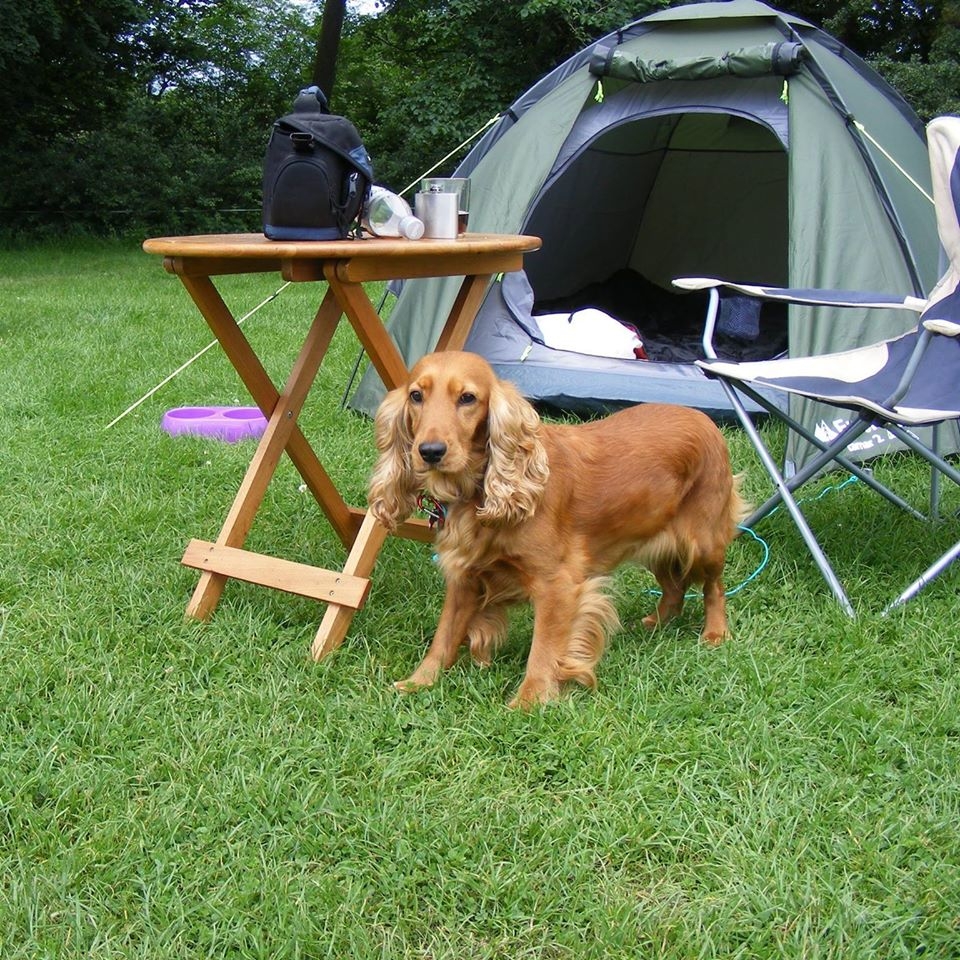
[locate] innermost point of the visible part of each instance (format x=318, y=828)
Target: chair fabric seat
x=865, y=378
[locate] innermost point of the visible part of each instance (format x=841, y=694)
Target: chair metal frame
x=833, y=451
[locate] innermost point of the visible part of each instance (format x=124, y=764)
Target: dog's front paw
x=650, y=622
x=423, y=677
x=713, y=638
x=481, y=659
x=533, y=692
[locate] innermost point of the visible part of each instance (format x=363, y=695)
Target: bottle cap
x=411, y=228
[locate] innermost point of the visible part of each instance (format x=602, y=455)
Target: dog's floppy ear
x=517, y=467
x=392, y=493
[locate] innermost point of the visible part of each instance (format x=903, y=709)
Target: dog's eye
x=466, y=399
x=416, y=396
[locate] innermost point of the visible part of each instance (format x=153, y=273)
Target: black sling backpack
x=316, y=174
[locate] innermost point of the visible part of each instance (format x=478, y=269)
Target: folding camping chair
x=898, y=384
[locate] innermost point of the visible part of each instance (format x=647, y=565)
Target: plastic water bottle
x=388, y=215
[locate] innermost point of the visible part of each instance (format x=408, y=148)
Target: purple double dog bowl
x=221, y=423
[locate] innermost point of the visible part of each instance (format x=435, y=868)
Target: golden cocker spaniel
x=542, y=512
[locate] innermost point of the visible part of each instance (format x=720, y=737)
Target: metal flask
x=439, y=213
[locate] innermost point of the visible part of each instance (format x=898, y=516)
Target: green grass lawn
x=176, y=790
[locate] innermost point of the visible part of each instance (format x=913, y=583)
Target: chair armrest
x=944, y=327
x=797, y=295
x=807, y=296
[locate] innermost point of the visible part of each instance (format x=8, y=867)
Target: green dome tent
x=718, y=139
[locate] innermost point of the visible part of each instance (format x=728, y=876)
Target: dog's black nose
x=432, y=452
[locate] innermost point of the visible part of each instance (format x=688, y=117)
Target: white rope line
x=870, y=137
x=473, y=136
x=196, y=356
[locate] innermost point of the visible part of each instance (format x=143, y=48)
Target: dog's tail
x=595, y=620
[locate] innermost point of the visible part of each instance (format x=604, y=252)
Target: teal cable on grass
x=763, y=543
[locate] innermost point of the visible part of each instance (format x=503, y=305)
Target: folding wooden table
x=345, y=265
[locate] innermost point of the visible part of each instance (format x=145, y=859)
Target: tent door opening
x=651, y=198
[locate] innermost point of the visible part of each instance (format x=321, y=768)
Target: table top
x=256, y=246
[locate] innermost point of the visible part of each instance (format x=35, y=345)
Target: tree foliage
x=425, y=75
x=152, y=115
x=143, y=115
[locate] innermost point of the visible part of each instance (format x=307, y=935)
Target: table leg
x=385, y=356
x=378, y=343
x=457, y=328
x=337, y=619
x=210, y=304
x=366, y=322
x=275, y=440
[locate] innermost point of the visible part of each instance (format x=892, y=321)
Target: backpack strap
x=303, y=136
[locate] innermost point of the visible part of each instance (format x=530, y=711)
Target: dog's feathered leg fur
x=572, y=618
x=486, y=633
x=595, y=620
